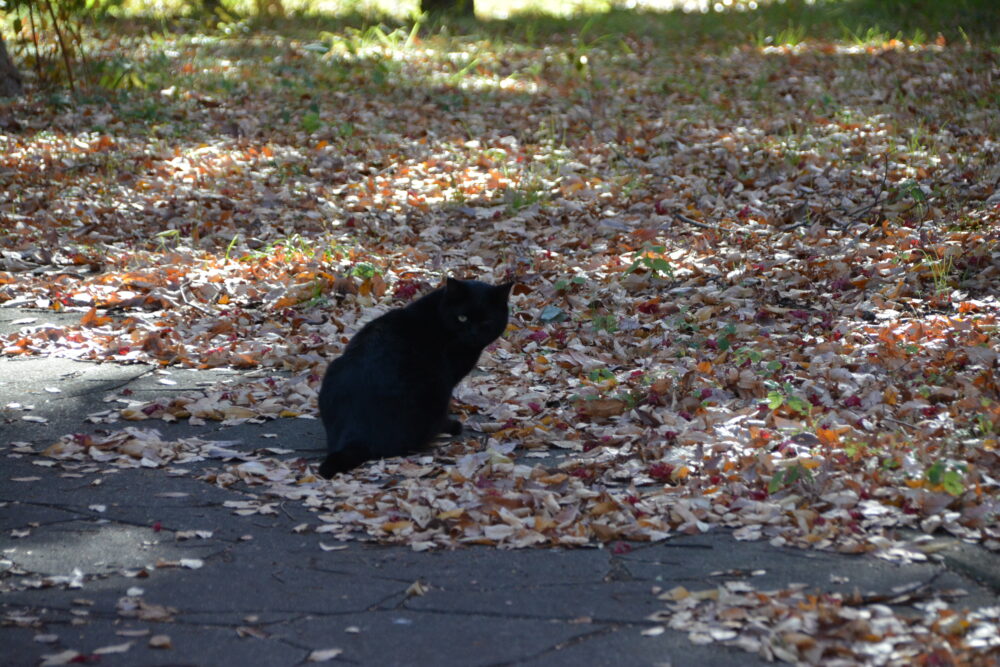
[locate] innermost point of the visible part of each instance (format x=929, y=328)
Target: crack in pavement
x=566, y=643
x=531, y=617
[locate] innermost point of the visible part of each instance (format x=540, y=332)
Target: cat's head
x=474, y=312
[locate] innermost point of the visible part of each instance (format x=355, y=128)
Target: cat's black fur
x=388, y=393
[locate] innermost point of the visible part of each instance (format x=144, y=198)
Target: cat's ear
x=506, y=288
x=453, y=288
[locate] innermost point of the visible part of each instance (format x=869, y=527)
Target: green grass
x=541, y=22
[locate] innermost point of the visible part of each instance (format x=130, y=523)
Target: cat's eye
x=463, y=318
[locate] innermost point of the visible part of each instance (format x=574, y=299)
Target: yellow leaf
x=396, y=526
x=890, y=396
x=675, y=594
x=543, y=523
x=603, y=508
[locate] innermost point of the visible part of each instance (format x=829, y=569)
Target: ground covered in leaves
x=756, y=286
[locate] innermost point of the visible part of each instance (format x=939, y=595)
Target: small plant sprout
x=600, y=376
x=651, y=259
x=780, y=394
x=566, y=285
x=724, y=341
x=788, y=476
x=745, y=354
x=364, y=270
x=948, y=475
x=608, y=323
x=172, y=235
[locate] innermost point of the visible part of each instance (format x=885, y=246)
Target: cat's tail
x=341, y=461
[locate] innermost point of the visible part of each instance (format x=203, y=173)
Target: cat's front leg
x=451, y=426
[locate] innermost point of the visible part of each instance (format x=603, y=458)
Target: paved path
x=79, y=555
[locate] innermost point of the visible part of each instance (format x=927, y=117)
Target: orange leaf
x=661, y=386
x=828, y=436
x=92, y=319
x=557, y=478
x=602, y=407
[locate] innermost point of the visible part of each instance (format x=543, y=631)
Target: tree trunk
x=10, y=78
x=454, y=7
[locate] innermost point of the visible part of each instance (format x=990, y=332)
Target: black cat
x=388, y=393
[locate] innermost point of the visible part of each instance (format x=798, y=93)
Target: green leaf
x=660, y=264
x=775, y=400
x=600, y=374
x=552, y=314
x=776, y=481
x=935, y=473
x=792, y=474
x=311, y=122
x=953, y=483
x=364, y=270
x=798, y=405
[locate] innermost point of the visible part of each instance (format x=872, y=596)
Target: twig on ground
x=901, y=423
x=865, y=210
x=684, y=218
x=916, y=591
x=184, y=298
x=796, y=225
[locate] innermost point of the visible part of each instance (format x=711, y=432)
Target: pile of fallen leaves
x=798, y=626
x=756, y=286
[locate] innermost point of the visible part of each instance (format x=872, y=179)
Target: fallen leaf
x=323, y=655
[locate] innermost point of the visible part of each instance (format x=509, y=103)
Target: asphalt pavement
x=144, y=567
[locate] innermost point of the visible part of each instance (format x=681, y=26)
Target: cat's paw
x=339, y=462
x=452, y=427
